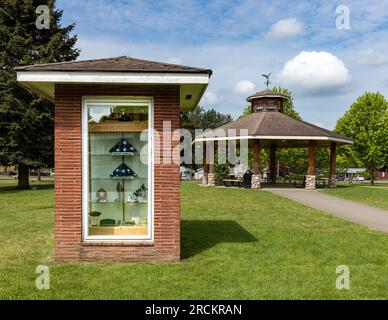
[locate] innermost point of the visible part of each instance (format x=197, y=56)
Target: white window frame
x=116, y=101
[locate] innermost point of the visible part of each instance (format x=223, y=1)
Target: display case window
x=117, y=170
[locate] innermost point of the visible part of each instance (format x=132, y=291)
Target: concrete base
x=256, y=179
x=211, y=182
x=204, y=180
x=310, y=183
x=333, y=181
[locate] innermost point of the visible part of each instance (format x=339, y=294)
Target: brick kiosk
x=117, y=88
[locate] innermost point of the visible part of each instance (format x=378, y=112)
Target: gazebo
x=267, y=127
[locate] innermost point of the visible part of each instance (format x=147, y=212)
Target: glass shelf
x=120, y=178
x=117, y=202
x=114, y=155
x=137, y=202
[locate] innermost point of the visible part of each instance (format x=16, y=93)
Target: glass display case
x=118, y=175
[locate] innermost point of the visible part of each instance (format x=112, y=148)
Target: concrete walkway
x=374, y=218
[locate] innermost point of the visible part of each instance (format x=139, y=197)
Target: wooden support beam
x=272, y=164
x=311, y=158
x=256, y=157
x=210, y=160
x=333, y=158
x=333, y=162
x=205, y=168
x=205, y=162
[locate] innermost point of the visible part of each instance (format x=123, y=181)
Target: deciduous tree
x=366, y=122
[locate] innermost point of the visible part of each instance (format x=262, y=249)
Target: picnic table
x=322, y=181
x=232, y=181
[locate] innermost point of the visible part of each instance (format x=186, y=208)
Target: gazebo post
x=211, y=175
x=211, y=163
x=310, y=177
x=255, y=184
x=333, y=160
x=205, y=167
x=272, y=164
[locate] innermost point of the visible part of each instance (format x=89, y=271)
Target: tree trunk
x=23, y=177
x=39, y=175
x=256, y=157
x=372, y=176
x=272, y=164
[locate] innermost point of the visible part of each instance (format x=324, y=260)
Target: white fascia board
x=322, y=138
x=112, y=77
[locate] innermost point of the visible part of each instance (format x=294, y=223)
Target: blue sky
x=325, y=68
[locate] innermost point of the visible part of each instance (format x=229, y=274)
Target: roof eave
x=250, y=98
x=190, y=83
x=275, y=137
x=33, y=69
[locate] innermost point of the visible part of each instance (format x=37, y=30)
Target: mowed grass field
x=376, y=196
x=236, y=244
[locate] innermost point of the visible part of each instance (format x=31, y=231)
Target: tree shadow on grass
x=34, y=187
x=200, y=235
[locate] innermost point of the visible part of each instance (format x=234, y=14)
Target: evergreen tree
x=26, y=120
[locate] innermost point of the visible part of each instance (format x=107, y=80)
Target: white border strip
x=85, y=168
x=324, y=138
x=112, y=77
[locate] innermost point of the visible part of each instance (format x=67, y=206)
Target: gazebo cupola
x=266, y=100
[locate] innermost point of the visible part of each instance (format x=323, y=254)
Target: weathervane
x=267, y=82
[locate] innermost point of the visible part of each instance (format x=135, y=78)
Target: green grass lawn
x=376, y=196
x=236, y=244
x=11, y=184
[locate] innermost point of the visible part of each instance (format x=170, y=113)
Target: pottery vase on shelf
x=132, y=198
x=95, y=218
x=101, y=195
x=120, y=190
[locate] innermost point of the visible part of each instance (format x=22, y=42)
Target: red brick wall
x=382, y=174
x=68, y=180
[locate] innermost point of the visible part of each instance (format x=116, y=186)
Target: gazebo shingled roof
x=275, y=128
x=267, y=93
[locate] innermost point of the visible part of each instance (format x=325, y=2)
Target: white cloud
x=231, y=63
x=370, y=57
x=315, y=72
x=209, y=99
x=244, y=87
x=285, y=28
